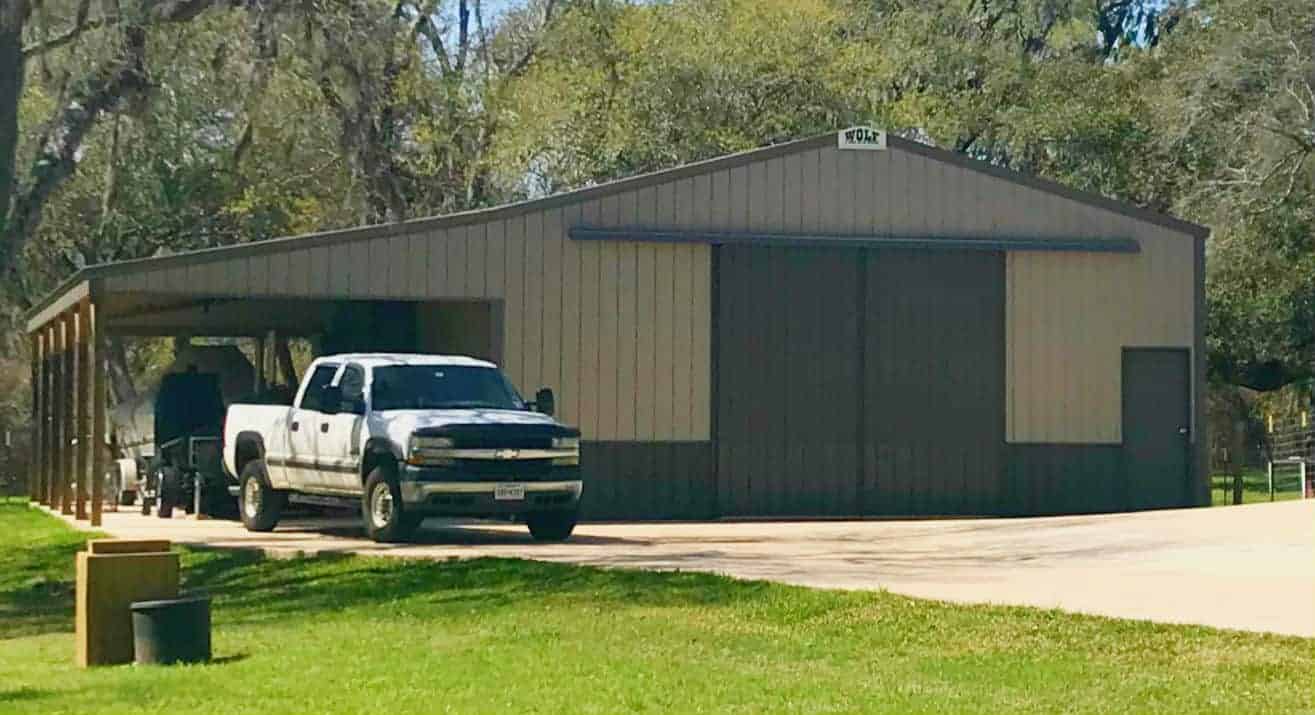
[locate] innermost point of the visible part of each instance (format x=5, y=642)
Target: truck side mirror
x=544, y=401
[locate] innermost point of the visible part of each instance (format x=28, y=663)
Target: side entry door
x=1157, y=404
x=340, y=434
x=303, y=430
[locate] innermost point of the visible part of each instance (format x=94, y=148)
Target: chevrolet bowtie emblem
x=506, y=453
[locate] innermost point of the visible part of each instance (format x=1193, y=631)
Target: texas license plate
x=509, y=492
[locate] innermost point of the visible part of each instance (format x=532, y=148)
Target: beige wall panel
x=297, y=278
x=476, y=260
x=569, y=388
x=1069, y=316
x=552, y=316
x=536, y=297
x=417, y=266
x=376, y=283
x=513, y=312
x=682, y=345
x=456, y=246
x=495, y=259
x=609, y=294
x=700, y=354
x=590, y=255
x=257, y=275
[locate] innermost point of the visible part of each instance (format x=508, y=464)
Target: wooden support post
x=81, y=423
x=64, y=398
x=35, y=488
x=49, y=426
x=99, y=426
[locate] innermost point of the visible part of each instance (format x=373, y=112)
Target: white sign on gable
x=862, y=138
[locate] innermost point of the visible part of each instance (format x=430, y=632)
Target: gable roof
x=606, y=189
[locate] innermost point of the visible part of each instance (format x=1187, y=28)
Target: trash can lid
x=167, y=602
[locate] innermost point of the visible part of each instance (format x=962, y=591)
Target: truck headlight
x=571, y=445
x=429, y=450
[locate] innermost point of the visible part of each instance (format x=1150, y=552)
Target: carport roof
x=82, y=283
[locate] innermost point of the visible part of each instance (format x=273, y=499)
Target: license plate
x=509, y=492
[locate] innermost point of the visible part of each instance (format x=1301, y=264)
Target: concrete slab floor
x=1242, y=567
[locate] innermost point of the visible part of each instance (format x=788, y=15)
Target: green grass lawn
x=377, y=635
x=1255, y=486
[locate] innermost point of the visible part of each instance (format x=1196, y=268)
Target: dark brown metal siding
x=647, y=480
x=934, y=392
x=788, y=366
x=1064, y=479
x=860, y=382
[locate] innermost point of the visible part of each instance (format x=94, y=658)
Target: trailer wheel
x=168, y=491
x=260, y=504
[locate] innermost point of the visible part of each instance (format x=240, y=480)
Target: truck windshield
x=431, y=387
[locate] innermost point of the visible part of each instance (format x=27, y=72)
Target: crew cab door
x=340, y=434
x=303, y=430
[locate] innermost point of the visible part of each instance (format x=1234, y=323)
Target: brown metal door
x=1156, y=423
x=788, y=381
x=934, y=383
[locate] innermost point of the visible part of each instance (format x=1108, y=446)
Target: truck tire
x=386, y=519
x=552, y=525
x=127, y=498
x=260, y=504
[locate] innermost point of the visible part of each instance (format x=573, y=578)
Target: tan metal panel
x=280, y=268
x=626, y=325
x=682, y=341
x=532, y=307
x=417, y=264
x=321, y=278
x=700, y=354
x=513, y=315
x=1069, y=315
x=590, y=308
x=337, y=261
x=377, y=285
x=358, y=255
x=476, y=259
x=298, y=273
x=663, y=331
x=456, y=247
x=570, y=332
x=552, y=238
x=609, y=290
x=436, y=273
x=258, y=275
x=495, y=259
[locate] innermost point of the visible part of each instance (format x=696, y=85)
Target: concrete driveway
x=1244, y=567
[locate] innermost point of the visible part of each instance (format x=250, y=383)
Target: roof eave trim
x=959, y=243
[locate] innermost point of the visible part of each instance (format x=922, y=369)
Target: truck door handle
x=293, y=427
x=324, y=426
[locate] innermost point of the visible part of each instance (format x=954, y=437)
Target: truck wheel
x=127, y=498
x=552, y=525
x=147, y=503
x=260, y=504
x=385, y=517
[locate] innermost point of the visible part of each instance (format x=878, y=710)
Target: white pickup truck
x=409, y=436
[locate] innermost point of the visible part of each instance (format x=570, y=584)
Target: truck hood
x=401, y=424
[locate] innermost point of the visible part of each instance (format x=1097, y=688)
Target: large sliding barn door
x=787, y=371
x=934, y=351
x=859, y=382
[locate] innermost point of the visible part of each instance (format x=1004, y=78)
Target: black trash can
x=175, y=630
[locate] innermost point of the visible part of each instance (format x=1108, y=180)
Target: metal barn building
x=846, y=325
